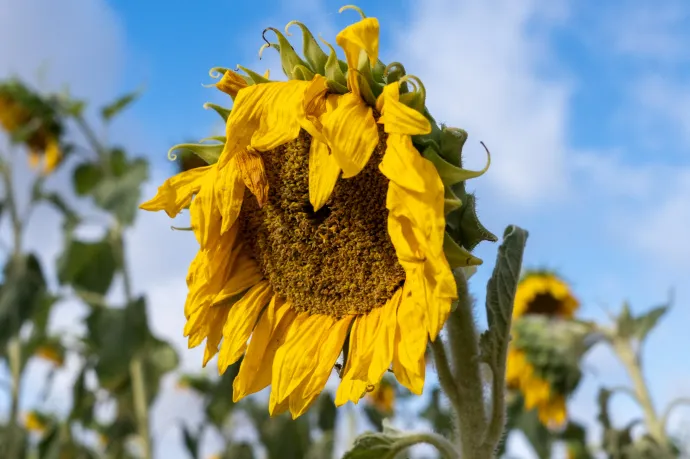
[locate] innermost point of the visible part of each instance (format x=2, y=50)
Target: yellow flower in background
x=321, y=221
x=30, y=120
x=383, y=397
x=34, y=422
x=544, y=293
x=51, y=354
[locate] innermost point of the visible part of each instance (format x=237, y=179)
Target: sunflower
x=330, y=219
x=35, y=422
x=535, y=370
x=383, y=397
x=31, y=120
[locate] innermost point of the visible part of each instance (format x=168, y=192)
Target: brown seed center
x=337, y=260
x=545, y=304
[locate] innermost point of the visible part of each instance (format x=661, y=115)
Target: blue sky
x=584, y=108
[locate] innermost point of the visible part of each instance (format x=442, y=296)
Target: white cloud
x=483, y=64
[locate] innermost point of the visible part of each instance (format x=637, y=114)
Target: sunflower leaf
x=500, y=295
x=375, y=445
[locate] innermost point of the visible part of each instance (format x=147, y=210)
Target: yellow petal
x=350, y=390
x=362, y=344
x=204, y=213
x=245, y=274
x=218, y=317
x=382, y=350
x=411, y=378
x=323, y=173
x=313, y=106
x=297, y=358
x=231, y=83
x=411, y=339
x=53, y=156
x=278, y=122
x=229, y=189
x=403, y=164
x=34, y=159
x=253, y=173
x=270, y=333
x=240, y=323
x=398, y=118
x=305, y=395
x=176, y=192
x=351, y=133
x=355, y=38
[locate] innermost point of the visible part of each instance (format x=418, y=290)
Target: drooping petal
x=403, y=164
x=329, y=350
x=240, y=323
x=176, y=192
x=323, y=173
x=411, y=378
x=411, y=339
x=270, y=333
x=205, y=214
x=381, y=353
x=229, y=189
x=350, y=390
x=398, y=118
x=219, y=315
x=351, y=134
x=355, y=38
x=245, y=274
x=278, y=123
x=231, y=83
x=297, y=358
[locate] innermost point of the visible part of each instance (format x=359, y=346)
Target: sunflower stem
x=464, y=350
x=445, y=375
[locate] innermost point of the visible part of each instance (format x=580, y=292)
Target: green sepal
x=393, y=72
x=288, y=57
x=208, y=152
x=254, y=78
x=413, y=100
x=450, y=201
x=218, y=138
x=332, y=68
x=364, y=69
x=335, y=87
x=365, y=90
x=450, y=174
x=464, y=224
x=222, y=111
x=456, y=255
x=215, y=73
x=378, y=72
x=432, y=139
x=452, y=141
x=311, y=49
x=301, y=72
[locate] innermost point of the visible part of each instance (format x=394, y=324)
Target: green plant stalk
x=446, y=448
x=14, y=349
x=136, y=369
x=633, y=365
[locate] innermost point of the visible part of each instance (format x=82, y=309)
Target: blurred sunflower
x=322, y=228
x=35, y=422
x=534, y=369
x=383, y=397
x=32, y=121
x=52, y=353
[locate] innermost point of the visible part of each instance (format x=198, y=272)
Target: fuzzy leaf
x=88, y=266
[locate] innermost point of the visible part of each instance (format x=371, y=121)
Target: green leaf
x=116, y=337
x=374, y=416
x=83, y=400
x=284, y=437
x=241, y=450
x=88, y=266
x=646, y=322
x=85, y=178
x=160, y=359
x=377, y=445
x=191, y=441
x=120, y=195
x=119, y=104
x=500, y=296
x=326, y=412
x=21, y=294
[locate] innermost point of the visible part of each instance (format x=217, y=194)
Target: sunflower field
x=330, y=290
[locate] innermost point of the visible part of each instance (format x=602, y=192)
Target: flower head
x=31, y=120
x=329, y=219
x=540, y=368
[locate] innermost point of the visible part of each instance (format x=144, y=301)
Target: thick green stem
x=446, y=448
x=464, y=350
x=633, y=365
x=136, y=370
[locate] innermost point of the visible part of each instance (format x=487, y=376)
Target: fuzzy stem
x=633, y=365
x=445, y=375
x=464, y=350
x=446, y=448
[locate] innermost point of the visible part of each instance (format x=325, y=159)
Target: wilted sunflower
x=31, y=120
x=534, y=369
x=322, y=228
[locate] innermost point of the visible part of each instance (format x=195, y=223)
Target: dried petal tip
x=251, y=168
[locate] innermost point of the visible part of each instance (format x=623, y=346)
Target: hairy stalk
x=633, y=365
x=464, y=350
x=14, y=349
x=446, y=448
x=445, y=375
x=136, y=370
